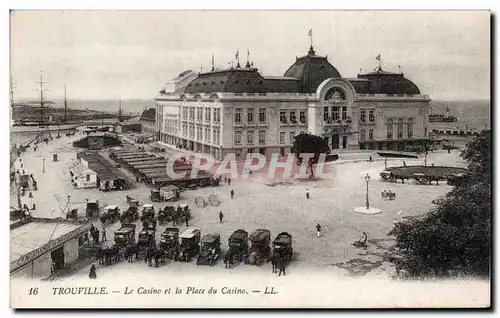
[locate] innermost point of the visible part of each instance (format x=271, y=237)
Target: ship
x=442, y=118
x=25, y=119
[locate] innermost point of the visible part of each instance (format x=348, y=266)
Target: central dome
x=311, y=70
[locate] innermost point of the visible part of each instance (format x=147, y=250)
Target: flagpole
x=379, y=61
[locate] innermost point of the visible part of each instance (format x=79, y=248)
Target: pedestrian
x=92, y=229
x=404, y=163
x=307, y=193
x=96, y=237
x=281, y=266
x=318, y=229
x=229, y=181
x=221, y=216
x=371, y=160
x=104, y=234
x=232, y=193
x=92, y=274
x=187, y=220
x=225, y=179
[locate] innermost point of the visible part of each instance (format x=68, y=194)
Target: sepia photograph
x=250, y=159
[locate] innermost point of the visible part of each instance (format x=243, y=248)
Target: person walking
x=92, y=274
x=229, y=181
x=307, y=193
x=281, y=266
x=318, y=229
x=232, y=193
x=187, y=220
x=221, y=216
x=104, y=234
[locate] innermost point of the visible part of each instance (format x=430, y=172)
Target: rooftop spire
x=311, y=49
x=213, y=64
x=248, y=57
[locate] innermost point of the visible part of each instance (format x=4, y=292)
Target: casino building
x=239, y=110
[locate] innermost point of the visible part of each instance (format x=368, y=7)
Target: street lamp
x=367, y=179
x=385, y=162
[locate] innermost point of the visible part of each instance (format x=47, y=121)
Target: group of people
x=94, y=234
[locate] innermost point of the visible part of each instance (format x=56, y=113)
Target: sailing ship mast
x=42, y=102
x=65, y=104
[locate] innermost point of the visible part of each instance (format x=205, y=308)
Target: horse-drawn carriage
x=148, y=210
x=387, y=176
x=146, y=238
x=132, y=213
x=169, y=242
x=422, y=178
x=190, y=244
x=166, y=214
x=125, y=235
x=155, y=195
x=238, y=247
x=169, y=193
x=112, y=213
x=181, y=214
x=282, y=245
x=260, y=251
x=72, y=214
x=92, y=209
x=210, y=249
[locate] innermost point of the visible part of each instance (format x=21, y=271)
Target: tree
x=312, y=144
x=455, y=237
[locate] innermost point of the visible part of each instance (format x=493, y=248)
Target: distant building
x=40, y=246
x=148, y=121
x=107, y=177
x=131, y=125
x=178, y=84
x=82, y=177
x=238, y=110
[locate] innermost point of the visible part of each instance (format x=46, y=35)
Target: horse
x=100, y=256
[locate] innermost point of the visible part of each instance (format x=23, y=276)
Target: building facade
x=240, y=111
x=148, y=123
x=39, y=247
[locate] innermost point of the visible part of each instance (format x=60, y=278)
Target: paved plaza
x=258, y=204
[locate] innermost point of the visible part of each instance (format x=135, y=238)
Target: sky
x=131, y=54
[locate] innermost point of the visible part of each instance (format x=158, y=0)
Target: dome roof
x=383, y=82
x=311, y=70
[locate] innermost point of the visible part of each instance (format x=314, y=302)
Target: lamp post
x=367, y=179
x=43, y=166
x=425, y=158
x=385, y=162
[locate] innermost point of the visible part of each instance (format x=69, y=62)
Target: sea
x=476, y=114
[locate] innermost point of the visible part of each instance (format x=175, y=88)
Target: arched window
x=335, y=95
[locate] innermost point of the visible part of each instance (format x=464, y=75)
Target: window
x=389, y=129
x=207, y=134
x=282, y=137
x=344, y=113
x=293, y=117
x=214, y=137
x=292, y=136
x=262, y=136
x=237, y=115
x=217, y=115
x=370, y=134
x=250, y=137
x=410, y=127
x=326, y=114
x=249, y=115
x=88, y=177
x=363, y=116
x=362, y=134
x=237, y=137
x=262, y=115
x=335, y=113
x=400, y=127
x=208, y=112
x=191, y=113
x=302, y=116
x=283, y=117
x=371, y=115
x=199, y=113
